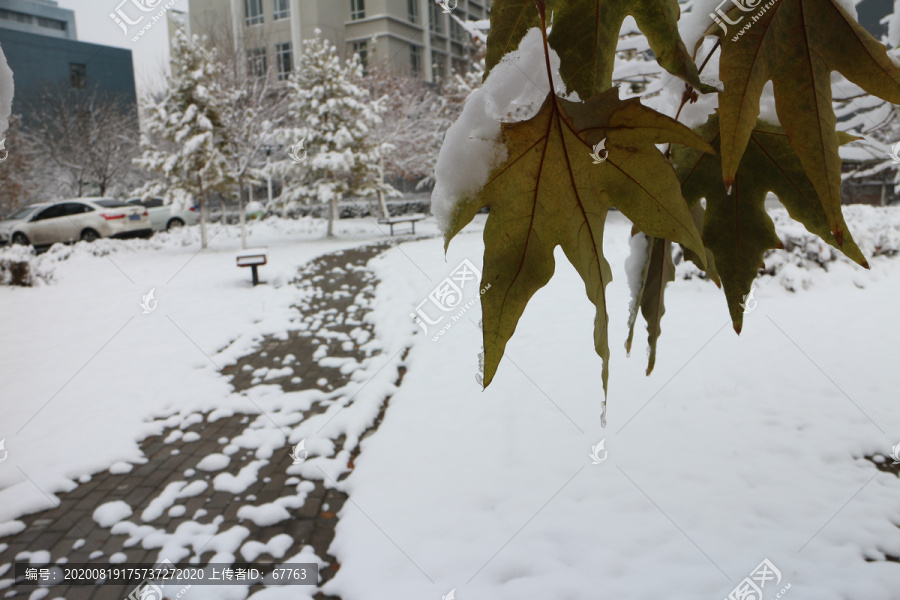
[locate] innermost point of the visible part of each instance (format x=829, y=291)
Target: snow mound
x=107, y=515
x=472, y=146
x=264, y=515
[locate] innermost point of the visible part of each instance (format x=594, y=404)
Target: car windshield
x=111, y=203
x=23, y=213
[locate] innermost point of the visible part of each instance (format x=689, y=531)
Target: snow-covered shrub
x=19, y=266
x=876, y=231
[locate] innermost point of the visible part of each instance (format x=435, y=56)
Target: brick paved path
x=335, y=284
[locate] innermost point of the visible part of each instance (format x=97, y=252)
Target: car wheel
x=20, y=239
x=89, y=235
x=174, y=224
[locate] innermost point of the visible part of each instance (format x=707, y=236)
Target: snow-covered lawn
x=735, y=450
x=86, y=374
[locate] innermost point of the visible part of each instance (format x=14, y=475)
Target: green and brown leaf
x=797, y=44
x=736, y=228
x=549, y=192
x=585, y=34
x=657, y=273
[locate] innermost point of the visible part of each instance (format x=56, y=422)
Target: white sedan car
x=72, y=220
x=164, y=217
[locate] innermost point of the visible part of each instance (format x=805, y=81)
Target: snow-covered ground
x=734, y=451
x=86, y=374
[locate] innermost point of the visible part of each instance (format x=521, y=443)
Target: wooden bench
x=411, y=219
x=253, y=258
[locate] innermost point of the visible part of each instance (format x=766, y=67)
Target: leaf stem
x=542, y=11
x=689, y=94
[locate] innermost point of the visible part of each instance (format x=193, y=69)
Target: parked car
x=164, y=217
x=76, y=219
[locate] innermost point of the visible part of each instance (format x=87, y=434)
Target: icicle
x=603, y=414
x=479, y=376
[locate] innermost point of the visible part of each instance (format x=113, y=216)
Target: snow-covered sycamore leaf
x=736, y=227
x=797, y=44
x=657, y=272
x=549, y=192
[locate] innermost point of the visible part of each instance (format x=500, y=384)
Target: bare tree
x=250, y=120
x=89, y=137
x=416, y=116
x=16, y=187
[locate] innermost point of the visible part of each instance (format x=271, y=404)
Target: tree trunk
x=332, y=215
x=242, y=216
x=384, y=208
x=202, y=200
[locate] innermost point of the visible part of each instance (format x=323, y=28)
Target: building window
x=284, y=60
x=78, y=76
x=282, y=9
x=415, y=60
x=51, y=24
x=253, y=13
x=456, y=31
x=10, y=15
x=439, y=62
x=357, y=9
x=436, y=22
x=459, y=66
x=256, y=62
x=362, y=48
x=412, y=10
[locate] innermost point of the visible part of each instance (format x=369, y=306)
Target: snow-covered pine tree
x=336, y=116
x=182, y=141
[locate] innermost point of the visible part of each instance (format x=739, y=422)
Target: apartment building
x=415, y=37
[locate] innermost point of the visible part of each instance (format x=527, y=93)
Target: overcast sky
x=149, y=53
